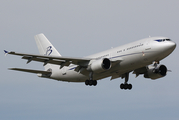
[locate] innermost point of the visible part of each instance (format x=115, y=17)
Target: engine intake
x=156, y=72
x=100, y=65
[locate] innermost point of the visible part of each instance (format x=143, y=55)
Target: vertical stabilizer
x=46, y=48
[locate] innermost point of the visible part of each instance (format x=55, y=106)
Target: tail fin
x=44, y=46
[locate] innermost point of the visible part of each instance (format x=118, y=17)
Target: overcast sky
x=77, y=29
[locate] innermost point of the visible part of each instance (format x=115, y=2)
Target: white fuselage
x=133, y=56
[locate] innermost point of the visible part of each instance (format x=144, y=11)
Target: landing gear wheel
x=90, y=82
x=129, y=86
x=122, y=86
x=94, y=82
x=126, y=86
x=87, y=82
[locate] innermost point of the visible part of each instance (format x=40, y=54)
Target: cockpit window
x=168, y=40
x=159, y=40
x=162, y=40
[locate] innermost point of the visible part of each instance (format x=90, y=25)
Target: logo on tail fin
x=49, y=50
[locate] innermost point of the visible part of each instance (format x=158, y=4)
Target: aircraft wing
x=63, y=61
x=57, y=60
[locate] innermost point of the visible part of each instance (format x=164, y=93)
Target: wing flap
x=44, y=60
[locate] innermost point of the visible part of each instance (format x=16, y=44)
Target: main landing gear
x=125, y=85
x=91, y=82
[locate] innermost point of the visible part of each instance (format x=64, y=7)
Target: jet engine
x=100, y=65
x=156, y=71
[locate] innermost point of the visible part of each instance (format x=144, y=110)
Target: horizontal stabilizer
x=31, y=71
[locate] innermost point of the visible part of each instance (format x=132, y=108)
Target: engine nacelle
x=100, y=65
x=155, y=72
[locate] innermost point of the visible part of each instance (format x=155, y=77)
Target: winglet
x=5, y=52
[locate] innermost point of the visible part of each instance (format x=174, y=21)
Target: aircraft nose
x=172, y=45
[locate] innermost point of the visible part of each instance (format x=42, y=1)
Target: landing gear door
x=64, y=69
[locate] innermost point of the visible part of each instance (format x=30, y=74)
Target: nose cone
x=171, y=46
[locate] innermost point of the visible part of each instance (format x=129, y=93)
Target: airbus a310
x=140, y=57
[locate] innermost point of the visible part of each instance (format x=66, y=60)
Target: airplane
x=140, y=57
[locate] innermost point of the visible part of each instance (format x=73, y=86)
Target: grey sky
x=80, y=28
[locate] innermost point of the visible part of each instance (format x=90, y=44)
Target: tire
x=87, y=82
x=94, y=82
x=90, y=82
x=122, y=86
x=129, y=86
